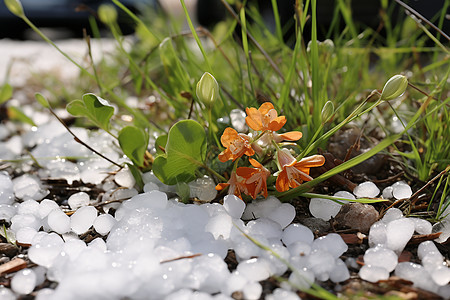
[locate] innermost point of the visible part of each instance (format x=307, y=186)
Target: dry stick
x=419, y=16
x=80, y=141
x=253, y=40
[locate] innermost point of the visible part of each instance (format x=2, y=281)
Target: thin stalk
x=197, y=39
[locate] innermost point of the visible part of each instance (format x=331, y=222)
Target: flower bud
x=107, y=14
x=394, y=87
x=327, y=112
x=207, y=89
x=15, y=6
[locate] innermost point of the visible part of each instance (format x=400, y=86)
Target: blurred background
x=67, y=18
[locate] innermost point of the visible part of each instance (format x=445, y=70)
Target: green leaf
x=160, y=144
x=134, y=142
x=94, y=108
x=42, y=101
x=183, y=191
x=185, y=152
x=15, y=113
x=137, y=175
x=5, y=93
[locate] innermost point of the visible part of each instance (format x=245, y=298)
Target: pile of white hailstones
x=157, y=247
x=161, y=248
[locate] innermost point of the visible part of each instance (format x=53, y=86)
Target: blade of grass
x=197, y=39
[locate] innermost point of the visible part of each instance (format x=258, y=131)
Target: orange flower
x=294, y=172
x=264, y=118
x=236, y=185
x=237, y=144
x=255, y=178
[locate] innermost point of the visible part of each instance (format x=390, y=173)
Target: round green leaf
x=185, y=153
x=134, y=142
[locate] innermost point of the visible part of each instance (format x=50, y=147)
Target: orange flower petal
x=228, y=136
x=291, y=136
x=253, y=119
x=221, y=186
x=282, y=183
x=277, y=123
x=265, y=108
x=312, y=161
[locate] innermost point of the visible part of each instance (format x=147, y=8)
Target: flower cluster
x=252, y=181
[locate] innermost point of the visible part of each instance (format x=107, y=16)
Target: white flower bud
x=207, y=89
x=394, y=87
x=107, y=14
x=15, y=6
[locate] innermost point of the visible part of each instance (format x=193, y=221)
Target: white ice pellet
x=444, y=228
x=323, y=208
x=387, y=192
x=299, y=248
x=417, y=274
x=234, y=206
x=252, y=291
x=25, y=235
x=440, y=275
x=7, y=212
x=73, y=248
x=254, y=269
x=425, y=248
x=44, y=294
x=321, y=263
x=203, y=188
x=245, y=249
x=237, y=118
x=433, y=260
x=220, y=226
x=46, y=249
x=366, y=189
x=98, y=243
x=401, y=191
x=58, y=221
x=297, y=233
x=381, y=257
x=6, y=294
x=264, y=227
x=282, y=294
x=277, y=260
x=345, y=195
x=398, y=234
x=283, y=214
x=124, y=178
x=340, y=272
x=332, y=243
x=46, y=206
x=23, y=282
x=78, y=200
x=104, y=223
x=28, y=187
x=392, y=214
x=422, y=226
x=261, y=208
x=235, y=282
x=28, y=207
x=373, y=273
x=150, y=186
x=301, y=279
x=6, y=189
x=26, y=220
x=83, y=219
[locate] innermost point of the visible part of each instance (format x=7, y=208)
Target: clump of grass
x=320, y=86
